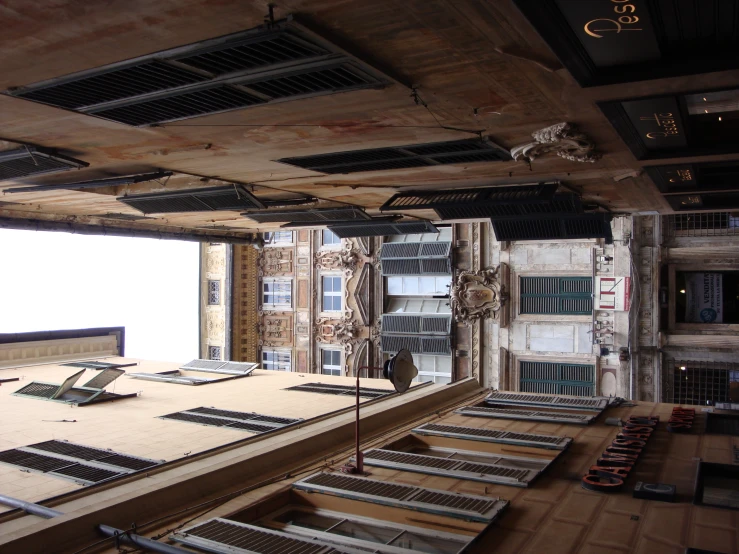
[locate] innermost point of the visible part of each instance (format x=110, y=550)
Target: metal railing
x=704, y=224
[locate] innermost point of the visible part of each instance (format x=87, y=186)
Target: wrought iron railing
x=705, y=224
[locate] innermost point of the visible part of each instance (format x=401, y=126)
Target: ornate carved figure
x=343, y=332
x=345, y=259
x=477, y=294
x=564, y=139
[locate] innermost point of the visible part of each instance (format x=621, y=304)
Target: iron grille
x=383, y=229
x=221, y=535
x=471, y=507
x=318, y=215
x=699, y=382
x=324, y=388
x=41, y=390
x=704, y=224
x=16, y=164
x=399, y=157
x=231, y=197
x=261, y=65
x=493, y=435
x=502, y=412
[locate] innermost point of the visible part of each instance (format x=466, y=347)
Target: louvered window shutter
x=557, y=295
x=557, y=378
x=416, y=258
x=418, y=333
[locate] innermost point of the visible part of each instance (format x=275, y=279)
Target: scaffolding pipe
x=29, y=507
x=104, y=230
x=129, y=537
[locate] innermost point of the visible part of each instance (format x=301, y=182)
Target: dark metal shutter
x=400, y=157
x=317, y=215
x=557, y=378
x=40, y=390
x=418, y=344
x=326, y=388
x=494, y=435
x=104, y=378
x=16, y=164
x=548, y=401
x=416, y=324
x=234, y=197
x=416, y=258
x=90, y=454
x=225, y=535
x=525, y=415
x=494, y=472
x=278, y=63
x=465, y=506
x=556, y=295
x=545, y=227
x=382, y=229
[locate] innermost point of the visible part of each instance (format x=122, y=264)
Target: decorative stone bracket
x=477, y=295
x=563, y=139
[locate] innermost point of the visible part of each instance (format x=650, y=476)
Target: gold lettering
x=622, y=7
x=656, y=134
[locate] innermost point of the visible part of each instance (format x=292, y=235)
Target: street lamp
x=400, y=371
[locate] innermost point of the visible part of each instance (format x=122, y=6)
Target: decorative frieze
x=563, y=139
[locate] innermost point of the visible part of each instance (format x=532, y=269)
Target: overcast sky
x=61, y=281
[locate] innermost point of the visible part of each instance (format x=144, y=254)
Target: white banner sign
x=704, y=298
x=613, y=293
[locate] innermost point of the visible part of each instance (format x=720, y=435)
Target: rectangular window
x=91, y=392
x=229, y=419
x=214, y=352
x=557, y=378
x=543, y=401
x=278, y=237
x=329, y=238
x=723, y=424
x=277, y=293
x=214, y=292
x=82, y=464
x=419, y=286
x=277, y=360
x=707, y=297
x=534, y=440
x=531, y=414
x=717, y=485
x=331, y=362
x=433, y=368
x=556, y=295
x=332, y=294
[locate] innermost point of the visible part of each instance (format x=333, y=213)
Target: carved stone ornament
x=345, y=259
x=564, y=139
x=343, y=332
x=476, y=295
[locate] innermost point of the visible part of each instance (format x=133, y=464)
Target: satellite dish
x=400, y=370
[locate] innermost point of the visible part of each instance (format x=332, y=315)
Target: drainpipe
x=29, y=507
x=129, y=537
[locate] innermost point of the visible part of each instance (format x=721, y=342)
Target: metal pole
x=358, y=455
x=129, y=537
x=29, y=507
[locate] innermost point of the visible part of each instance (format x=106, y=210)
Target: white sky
x=54, y=281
